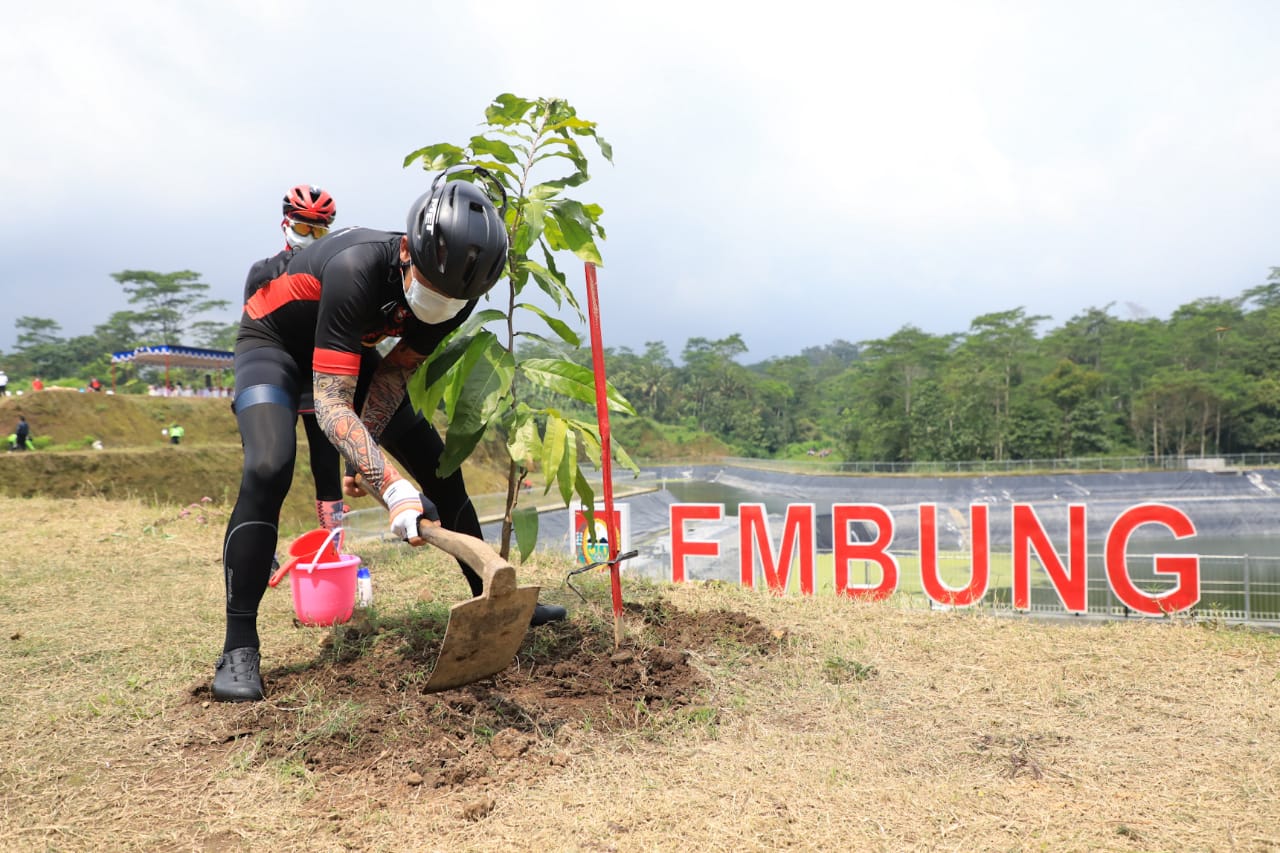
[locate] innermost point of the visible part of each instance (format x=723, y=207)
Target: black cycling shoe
x=236, y=678
x=544, y=613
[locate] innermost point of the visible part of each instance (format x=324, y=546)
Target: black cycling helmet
x=457, y=239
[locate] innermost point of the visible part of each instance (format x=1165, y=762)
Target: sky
x=794, y=173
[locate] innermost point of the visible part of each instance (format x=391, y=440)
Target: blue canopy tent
x=172, y=356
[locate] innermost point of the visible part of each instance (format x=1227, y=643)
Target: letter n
x=1071, y=585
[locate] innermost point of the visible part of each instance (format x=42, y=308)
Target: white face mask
x=428, y=306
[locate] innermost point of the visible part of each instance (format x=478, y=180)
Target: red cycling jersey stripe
x=336, y=362
x=281, y=291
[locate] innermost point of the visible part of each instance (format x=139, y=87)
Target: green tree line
x=1206, y=381
x=168, y=311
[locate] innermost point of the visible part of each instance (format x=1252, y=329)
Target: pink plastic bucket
x=325, y=593
x=324, y=590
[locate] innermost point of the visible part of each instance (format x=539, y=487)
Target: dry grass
x=875, y=727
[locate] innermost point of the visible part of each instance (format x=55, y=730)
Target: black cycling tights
x=326, y=462
x=414, y=443
x=270, y=447
x=266, y=413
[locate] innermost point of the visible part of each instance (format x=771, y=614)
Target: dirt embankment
x=138, y=461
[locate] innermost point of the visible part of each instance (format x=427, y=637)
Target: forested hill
x=1205, y=381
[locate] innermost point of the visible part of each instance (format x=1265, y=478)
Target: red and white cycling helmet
x=308, y=213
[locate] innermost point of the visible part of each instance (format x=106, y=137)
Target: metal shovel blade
x=484, y=633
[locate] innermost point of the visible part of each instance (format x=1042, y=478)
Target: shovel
x=485, y=632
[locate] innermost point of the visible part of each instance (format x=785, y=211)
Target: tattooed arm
x=356, y=439
x=335, y=411
x=387, y=387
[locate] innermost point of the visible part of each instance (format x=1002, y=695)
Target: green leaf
x=517, y=132
x=487, y=369
x=521, y=242
x=478, y=319
x=495, y=148
x=568, y=472
x=427, y=386
x=573, y=381
x=587, y=434
x=588, y=498
x=436, y=157
x=474, y=391
x=523, y=443
x=571, y=152
x=550, y=283
x=544, y=191
x=561, y=376
x=572, y=230
x=553, y=442
x=551, y=189
x=525, y=522
x=507, y=109
x=605, y=148
x=457, y=447
x=495, y=168
x=534, y=336
x=567, y=291
x=534, y=213
x=571, y=122
x=623, y=457
x=560, y=327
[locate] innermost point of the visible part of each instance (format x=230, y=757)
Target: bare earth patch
x=380, y=729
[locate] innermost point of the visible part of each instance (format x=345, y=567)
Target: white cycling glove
x=405, y=506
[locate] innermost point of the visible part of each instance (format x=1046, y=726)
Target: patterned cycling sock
x=330, y=513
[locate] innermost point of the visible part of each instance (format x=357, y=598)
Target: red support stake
x=606, y=462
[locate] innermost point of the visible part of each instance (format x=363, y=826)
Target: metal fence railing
x=1013, y=466
x=1234, y=588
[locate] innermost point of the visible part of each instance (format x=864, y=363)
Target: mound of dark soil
x=358, y=711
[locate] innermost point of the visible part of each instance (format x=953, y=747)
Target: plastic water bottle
x=364, y=588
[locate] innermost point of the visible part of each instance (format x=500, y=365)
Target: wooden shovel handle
x=498, y=575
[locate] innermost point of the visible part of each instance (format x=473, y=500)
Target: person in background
x=95, y=385
x=4, y=384
x=309, y=212
x=310, y=325
x=22, y=433
x=176, y=432
x=37, y=384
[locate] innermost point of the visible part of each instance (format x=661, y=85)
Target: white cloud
x=813, y=171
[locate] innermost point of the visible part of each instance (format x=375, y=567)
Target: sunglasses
x=307, y=229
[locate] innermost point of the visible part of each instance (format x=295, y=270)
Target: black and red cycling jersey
x=266, y=269
x=334, y=297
